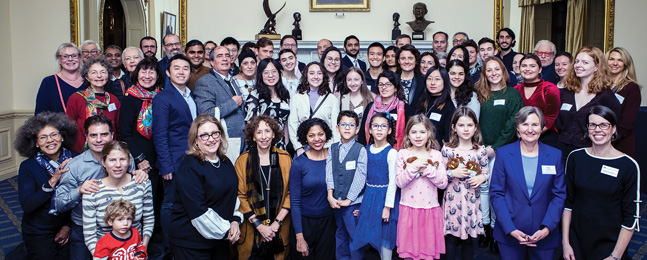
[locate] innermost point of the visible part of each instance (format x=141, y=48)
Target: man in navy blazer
x=174, y=109
x=525, y=220
x=218, y=90
x=351, y=47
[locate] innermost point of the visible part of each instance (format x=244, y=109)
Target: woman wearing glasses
x=56, y=89
x=44, y=139
x=588, y=84
x=602, y=194
x=205, y=208
x=331, y=59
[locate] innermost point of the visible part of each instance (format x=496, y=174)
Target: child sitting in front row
x=345, y=180
x=124, y=241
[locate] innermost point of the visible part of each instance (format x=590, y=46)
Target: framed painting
x=340, y=5
x=169, y=24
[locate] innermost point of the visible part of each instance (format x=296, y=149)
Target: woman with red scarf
x=391, y=101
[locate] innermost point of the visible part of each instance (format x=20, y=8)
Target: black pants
x=44, y=247
x=219, y=251
x=319, y=233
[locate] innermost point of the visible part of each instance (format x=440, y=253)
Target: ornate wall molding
x=498, y=17
x=609, y=24
x=74, y=22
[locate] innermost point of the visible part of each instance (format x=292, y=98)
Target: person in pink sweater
x=421, y=171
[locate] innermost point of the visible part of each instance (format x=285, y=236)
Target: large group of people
x=407, y=154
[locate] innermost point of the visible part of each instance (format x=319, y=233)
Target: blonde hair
x=118, y=208
x=601, y=78
x=431, y=138
x=482, y=86
x=628, y=74
x=194, y=150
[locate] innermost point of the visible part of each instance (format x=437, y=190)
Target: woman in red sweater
x=93, y=101
x=539, y=93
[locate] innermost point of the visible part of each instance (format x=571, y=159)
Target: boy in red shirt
x=124, y=241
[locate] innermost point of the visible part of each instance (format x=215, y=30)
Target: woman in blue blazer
x=527, y=192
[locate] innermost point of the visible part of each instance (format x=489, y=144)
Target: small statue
x=420, y=24
x=296, y=32
x=396, y=26
x=270, y=25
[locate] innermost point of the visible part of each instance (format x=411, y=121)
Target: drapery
x=527, y=34
x=575, y=19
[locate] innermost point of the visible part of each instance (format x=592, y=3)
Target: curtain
x=527, y=35
x=575, y=19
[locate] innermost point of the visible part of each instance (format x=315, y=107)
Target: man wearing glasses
x=148, y=45
x=172, y=46
x=290, y=42
x=545, y=50
x=89, y=49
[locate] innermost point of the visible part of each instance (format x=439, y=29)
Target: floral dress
x=461, y=202
x=277, y=110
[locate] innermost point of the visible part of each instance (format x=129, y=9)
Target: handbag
x=268, y=248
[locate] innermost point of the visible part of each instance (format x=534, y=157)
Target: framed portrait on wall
x=340, y=6
x=169, y=24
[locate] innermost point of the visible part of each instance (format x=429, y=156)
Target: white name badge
x=499, y=102
x=620, y=98
x=395, y=117
x=548, y=169
x=359, y=110
x=112, y=107
x=608, y=170
x=351, y=165
x=435, y=116
x=566, y=107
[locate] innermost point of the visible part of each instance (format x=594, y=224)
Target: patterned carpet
x=12, y=213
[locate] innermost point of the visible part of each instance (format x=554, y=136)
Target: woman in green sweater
x=499, y=105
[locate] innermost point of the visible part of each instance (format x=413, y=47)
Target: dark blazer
x=348, y=63
x=171, y=122
x=418, y=86
x=513, y=207
x=137, y=143
x=212, y=91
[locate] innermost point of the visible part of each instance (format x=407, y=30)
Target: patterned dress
x=461, y=202
x=277, y=110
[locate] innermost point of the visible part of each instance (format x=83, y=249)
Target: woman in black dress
x=602, y=195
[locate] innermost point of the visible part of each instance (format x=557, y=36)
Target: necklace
x=214, y=164
x=269, y=177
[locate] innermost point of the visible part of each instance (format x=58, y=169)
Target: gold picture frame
x=340, y=5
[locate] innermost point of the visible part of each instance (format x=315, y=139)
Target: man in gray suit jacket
x=218, y=90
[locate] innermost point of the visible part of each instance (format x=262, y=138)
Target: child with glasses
x=345, y=181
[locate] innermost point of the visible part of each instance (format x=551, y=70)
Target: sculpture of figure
x=270, y=25
x=396, y=23
x=297, y=19
x=420, y=24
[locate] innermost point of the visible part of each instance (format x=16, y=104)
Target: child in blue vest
x=345, y=180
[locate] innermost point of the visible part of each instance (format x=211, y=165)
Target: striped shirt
x=94, y=209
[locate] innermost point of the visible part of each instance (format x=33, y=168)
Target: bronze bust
x=420, y=24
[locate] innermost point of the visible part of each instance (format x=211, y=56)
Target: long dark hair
x=465, y=91
x=263, y=89
x=466, y=54
x=340, y=76
x=445, y=96
x=304, y=86
x=390, y=138
x=395, y=80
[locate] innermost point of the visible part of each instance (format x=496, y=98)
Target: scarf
x=145, y=118
x=386, y=108
x=51, y=165
x=92, y=103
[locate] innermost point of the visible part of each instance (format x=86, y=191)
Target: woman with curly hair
x=94, y=100
x=587, y=85
x=263, y=174
x=462, y=90
x=44, y=139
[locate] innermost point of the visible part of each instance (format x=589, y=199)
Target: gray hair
x=141, y=53
x=86, y=42
x=525, y=112
x=92, y=61
x=546, y=42
x=467, y=37
x=441, y=55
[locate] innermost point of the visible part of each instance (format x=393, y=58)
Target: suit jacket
x=348, y=63
x=513, y=207
x=171, y=122
x=211, y=92
x=418, y=85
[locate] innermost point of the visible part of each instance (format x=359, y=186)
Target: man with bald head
x=322, y=45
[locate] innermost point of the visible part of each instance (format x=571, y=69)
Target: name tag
x=112, y=107
x=620, y=98
x=351, y=165
x=566, y=107
x=548, y=169
x=435, y=116
x=395, y=117
x=359, y=110
x=608, y=170
x=499, y=102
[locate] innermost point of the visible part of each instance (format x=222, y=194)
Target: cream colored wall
x=629, y=33
x=243, y=19
x=6, y=68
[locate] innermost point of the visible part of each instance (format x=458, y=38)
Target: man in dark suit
x=217, y=91
x=351, y=47
x=290, y=42
x=174, y=109
x=172, y=46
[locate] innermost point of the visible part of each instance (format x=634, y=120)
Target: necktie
x=356, y=64
x=233, y=91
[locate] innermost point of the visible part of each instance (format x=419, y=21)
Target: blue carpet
x=11, y=215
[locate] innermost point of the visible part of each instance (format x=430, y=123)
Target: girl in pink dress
x=467, y=169
x=421, y=171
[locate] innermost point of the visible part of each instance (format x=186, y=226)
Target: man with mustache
x=148, y=45
x=505, y=38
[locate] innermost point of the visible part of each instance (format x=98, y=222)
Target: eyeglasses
x=380, y=126
x=205, y=137
x=55, y=136
x=603, y=126
x=347, y=125
x=331, y=59
x=270, y=72
x=116, y=55
x=69, y=56
x=93, y=52
x=385, y=85
x=174, y=44
x=543, y=53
